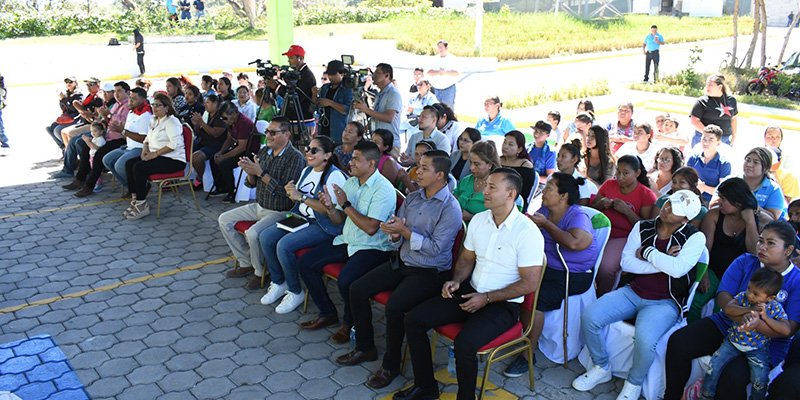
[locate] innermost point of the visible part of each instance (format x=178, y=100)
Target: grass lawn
x=514, y=36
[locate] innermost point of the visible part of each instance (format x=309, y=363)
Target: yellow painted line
x=55, y=209
x=113, y=285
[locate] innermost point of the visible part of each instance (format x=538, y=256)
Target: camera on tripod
x=268, y=70
x=354, y=79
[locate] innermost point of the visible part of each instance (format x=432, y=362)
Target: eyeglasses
x=665, y=160
x=275, y=132
x=313, y=150
x=158, y=105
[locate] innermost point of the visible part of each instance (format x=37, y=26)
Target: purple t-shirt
x=735, y=280
x=578, y=261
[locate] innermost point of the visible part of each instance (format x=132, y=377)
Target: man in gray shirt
x=388, y=105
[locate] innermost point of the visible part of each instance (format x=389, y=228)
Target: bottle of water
x=451, y=361
x=353, y=338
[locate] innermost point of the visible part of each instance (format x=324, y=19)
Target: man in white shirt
x=503, y=254
x=136, y=127
x=388, y=105
x=443, y=76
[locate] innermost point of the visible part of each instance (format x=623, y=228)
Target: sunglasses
x=275, y=132
x=313, y=150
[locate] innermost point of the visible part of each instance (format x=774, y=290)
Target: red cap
x=295, y=50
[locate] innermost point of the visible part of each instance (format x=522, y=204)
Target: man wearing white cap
x=659, y=260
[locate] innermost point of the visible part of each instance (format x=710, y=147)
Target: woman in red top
x=624, y=201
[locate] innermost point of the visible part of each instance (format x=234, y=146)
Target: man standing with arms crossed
x=652, y=43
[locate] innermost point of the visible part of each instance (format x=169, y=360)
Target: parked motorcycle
x=765, y=75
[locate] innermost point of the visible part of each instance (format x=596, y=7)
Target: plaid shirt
x=284, y=167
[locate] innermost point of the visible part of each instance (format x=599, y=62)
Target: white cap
x=108, y=87
x=261, y=126
x=685, y=203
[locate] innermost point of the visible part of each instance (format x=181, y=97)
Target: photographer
x=388, y=105
x=305, y=83
x=333, y=100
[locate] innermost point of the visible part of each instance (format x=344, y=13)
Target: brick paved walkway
x=143, y=310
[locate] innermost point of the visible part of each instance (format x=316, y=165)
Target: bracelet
x=487, y=298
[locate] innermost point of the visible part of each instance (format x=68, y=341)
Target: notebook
x=292, y=223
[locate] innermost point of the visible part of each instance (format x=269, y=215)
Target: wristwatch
x=303, y=199
x=263, y=174
x=346, y=205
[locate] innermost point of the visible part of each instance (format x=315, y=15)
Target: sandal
x=140, y=209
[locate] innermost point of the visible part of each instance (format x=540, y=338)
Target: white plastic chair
x=619, y=344
x=568, y=316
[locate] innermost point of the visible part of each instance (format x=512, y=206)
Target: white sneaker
x=290, y=302
x=630, y=392
x=274, y=292
x=593, y=377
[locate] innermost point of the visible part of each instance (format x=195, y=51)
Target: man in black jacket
x=305, y=115
x=69, y=113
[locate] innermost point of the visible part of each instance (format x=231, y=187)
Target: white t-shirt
x=648, y=157
x=500, y=251
x=309, y=185
x=446, y=63
x=588, y=189
x=137, y=124
x=99, y=141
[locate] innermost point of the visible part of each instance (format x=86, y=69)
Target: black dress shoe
x=382, y=378
x=356, y=357
x=416, y=393
x=320, y=322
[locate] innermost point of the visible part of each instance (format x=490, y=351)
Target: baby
x=744, y=339
x=97, y=141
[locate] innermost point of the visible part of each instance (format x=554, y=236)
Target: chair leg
x=158, y=207
x=485, y=376
x=530, y=365
x=305, y=303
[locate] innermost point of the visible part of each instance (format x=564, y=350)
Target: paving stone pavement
x=132, y=326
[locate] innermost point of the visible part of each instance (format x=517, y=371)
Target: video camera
x=268, y=70
x=354, y=79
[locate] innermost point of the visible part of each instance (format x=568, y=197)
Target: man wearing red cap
x=296, y=56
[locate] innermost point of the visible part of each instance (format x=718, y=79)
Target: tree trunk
x=748, y=57
x=735, y=32
x=128, y=5
x=238, y=9
x=250, y=11
x=763, y=34
x=788, y=32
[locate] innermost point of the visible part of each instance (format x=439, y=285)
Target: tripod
x=301, y=137
x=356, y=115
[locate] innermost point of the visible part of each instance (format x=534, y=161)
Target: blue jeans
x=74, y=148
x=653, y=319
x=447, y=95
x=698, y=135
x=115, y=162
x=54, y=130
x=3, y=137
x=757, y=360
x=279, y=246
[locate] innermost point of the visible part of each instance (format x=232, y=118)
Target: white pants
x=247, y=249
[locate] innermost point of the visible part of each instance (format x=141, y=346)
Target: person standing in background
x=443, y=76
x=138, y=46
x=652, y=43
x=3, y=92
x=199, y=9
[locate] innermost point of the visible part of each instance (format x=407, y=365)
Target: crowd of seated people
x=667, y=203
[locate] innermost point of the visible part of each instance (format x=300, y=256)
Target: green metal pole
x=280, y=25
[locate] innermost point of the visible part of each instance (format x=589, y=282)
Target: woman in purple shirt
x=565, y=227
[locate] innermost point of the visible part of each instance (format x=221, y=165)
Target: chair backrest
x=533, y=189
x=399, y=199
x=700, y=269
x=601, y=226
x=457, y=244
x=188, y=144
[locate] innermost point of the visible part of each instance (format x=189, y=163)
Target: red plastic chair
x=510, y=343
x=180, y=178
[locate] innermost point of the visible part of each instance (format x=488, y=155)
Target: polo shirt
x=735, y=280
x=501, y=250
x=712, y=173
x=374, y=199
x=496, y=127
x=137, y=124
x=650, y=42
x=543, y=159
x=770, y=195
x=390, y=99
x=434, y=223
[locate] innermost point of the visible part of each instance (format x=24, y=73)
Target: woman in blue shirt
x=494, y=124
x=756, y=172
x=709, y=164
x=776, y=247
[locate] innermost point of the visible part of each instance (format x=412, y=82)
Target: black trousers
x=479, y=328
x=410, y=286
x=140, y=61
x=139, y=170
x=655, y=58
x=90, y=172
x=223, y=174
x=702, y=338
